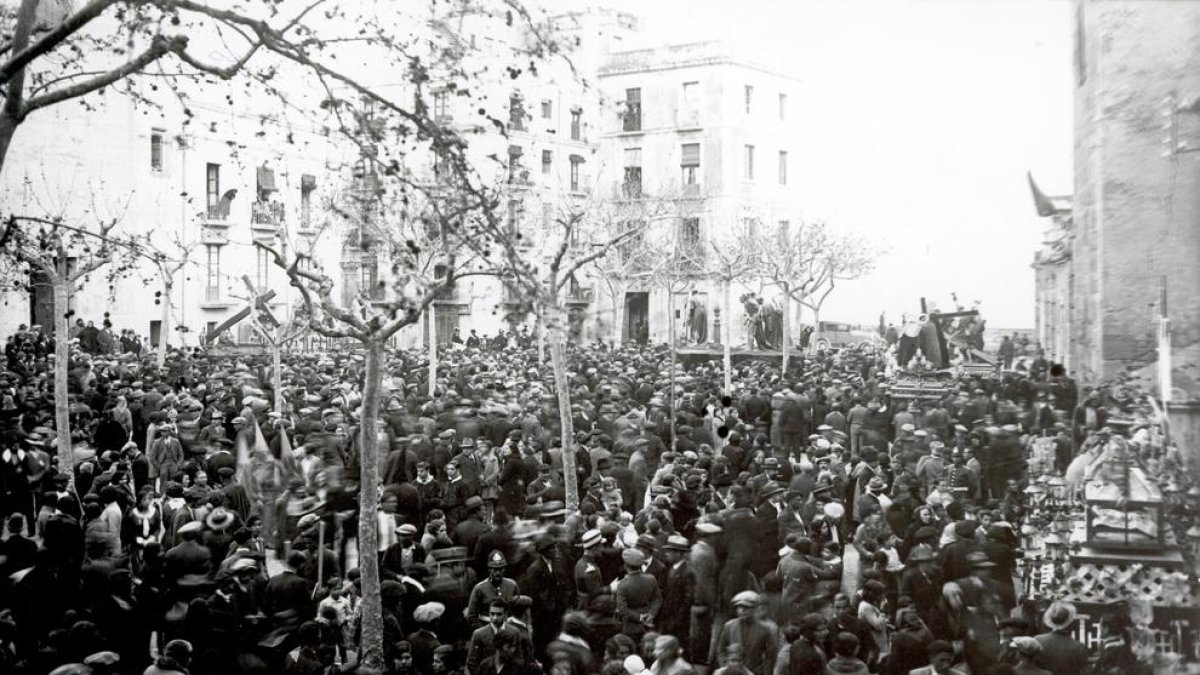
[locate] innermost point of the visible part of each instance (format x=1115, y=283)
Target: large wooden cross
x=257, y=302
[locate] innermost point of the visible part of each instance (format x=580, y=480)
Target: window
x=212, y=273
x=689, y=107
x=209, y=327
x=748, y=169
x=516, y=172
x=156, y=150
x=262, y=269
x=785, y=231
x=516, y=213
x=369, y=278
x=632, y=185
x=212, y=189
x=576, y=125
x=308, y=184
x=782, y=107
x=783, y=162
x=547, y=216
x=547, y=109
x=516, y=113
x=633, y=110
x=689, y=233
x=441, y=106
x=750, y=228
x=749, y=93
x=690, y=162
x=576, y=163
x=547, y=161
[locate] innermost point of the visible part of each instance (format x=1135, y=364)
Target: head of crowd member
x=941, y=656
x=746, y=605
x=814, y=628
x=497, y=613
x=497, y=564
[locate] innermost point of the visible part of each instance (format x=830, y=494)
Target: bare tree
x=848, y=257
x=65, y=256
x=807, y=259
x=541, y=278
x=730, y=263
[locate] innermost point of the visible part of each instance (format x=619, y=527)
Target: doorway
x=41, y=302
x=637, y=318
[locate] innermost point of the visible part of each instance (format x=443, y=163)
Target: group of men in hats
x=805, y=520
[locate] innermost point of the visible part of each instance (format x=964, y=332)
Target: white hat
x=429, y=612
x=834, y=510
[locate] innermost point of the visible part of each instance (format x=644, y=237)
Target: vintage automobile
x=836, y=334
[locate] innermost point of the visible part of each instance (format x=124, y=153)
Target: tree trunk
x=558, y=364
x=431, y=338
x=371, y=645
x=14, y=94
x=165, y=331
x=277, y=372
x=62, y=357
x=541, y=335
x=728, y=340
x=787, y=330
x=8, y=128
x=816, y=319
x=618, y=315
x=671, y=329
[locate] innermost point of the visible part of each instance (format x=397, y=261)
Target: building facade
x=203, y=194
x=1053, y=277
x=709, y=134
x=1135, y=222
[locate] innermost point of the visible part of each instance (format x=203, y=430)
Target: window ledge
x=216, y=305
x=217, y=224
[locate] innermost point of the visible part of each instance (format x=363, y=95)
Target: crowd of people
x=806, y=522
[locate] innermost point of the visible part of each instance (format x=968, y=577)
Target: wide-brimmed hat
x=300, y=507
x=771, y=489
x=591, y=538
x=1060, y=615
x=876, y=484
x=676, y=542
x=920, y=553
x=220, y=519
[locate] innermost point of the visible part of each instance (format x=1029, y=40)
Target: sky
x=921, y=118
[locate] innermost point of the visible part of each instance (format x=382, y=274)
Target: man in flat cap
x=638, y=596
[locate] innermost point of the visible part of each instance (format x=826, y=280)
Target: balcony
x=631, y=119
x=217, y=215
x=581, y=296
x=450, y=294
x=267, y=215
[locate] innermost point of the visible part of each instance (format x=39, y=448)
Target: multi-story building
x=1053, y=277
x=698, y=125
x=1132, y=233
x=705, y=129
x=1136, y=212
x=202, y=193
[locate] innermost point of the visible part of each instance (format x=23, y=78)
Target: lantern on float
x=1056, y=548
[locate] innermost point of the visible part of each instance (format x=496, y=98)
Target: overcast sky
x=921, y=118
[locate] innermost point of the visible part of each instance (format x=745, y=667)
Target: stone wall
x=1137, y=202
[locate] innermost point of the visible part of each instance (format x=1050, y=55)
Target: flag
x=287, y=458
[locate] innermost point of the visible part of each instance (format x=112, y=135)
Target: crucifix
x=257, y=302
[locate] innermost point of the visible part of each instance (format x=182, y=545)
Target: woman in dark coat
x=512, y=483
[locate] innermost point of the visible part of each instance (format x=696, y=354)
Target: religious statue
x=697, y=319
